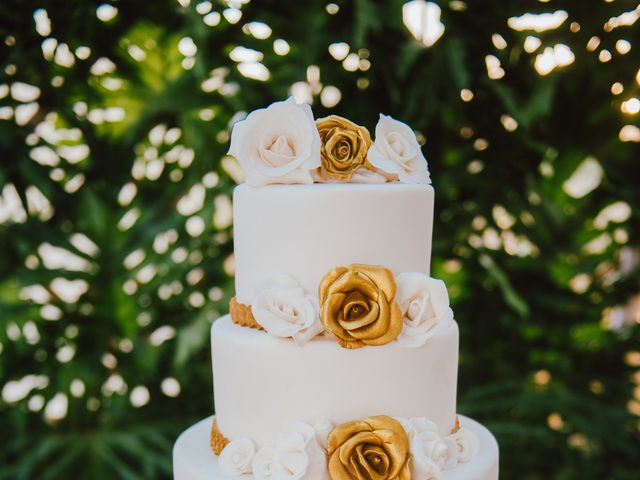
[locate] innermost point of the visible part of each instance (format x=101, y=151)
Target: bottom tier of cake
x=194, y=460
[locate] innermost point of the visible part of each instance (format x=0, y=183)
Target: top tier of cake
x=306, y=230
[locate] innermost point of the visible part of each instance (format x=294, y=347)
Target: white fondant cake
x=262, y=383
x=339, y=358
x=306, y=230
x=193, y=460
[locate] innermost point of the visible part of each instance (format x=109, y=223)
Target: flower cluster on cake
x=379, y=447
x=338, y=359
x=284, y=144
x=359, y=304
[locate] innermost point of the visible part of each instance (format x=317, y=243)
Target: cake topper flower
x=357, y=305
x=277, y=144
x=343, y=148
x=396, y=152
x=373, y=448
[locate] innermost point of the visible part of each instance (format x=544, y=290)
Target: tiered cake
x=339, y=357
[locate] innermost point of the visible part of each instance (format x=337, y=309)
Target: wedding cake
x=339, y=357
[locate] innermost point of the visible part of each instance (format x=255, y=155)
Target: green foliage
x=544, y=284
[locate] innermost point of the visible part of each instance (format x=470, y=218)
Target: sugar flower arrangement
x=284, y=144
x=378, y=447
x=361, y=305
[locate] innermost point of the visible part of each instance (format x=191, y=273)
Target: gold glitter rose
x=376, y=448
x=357, y=305
x=344, y=147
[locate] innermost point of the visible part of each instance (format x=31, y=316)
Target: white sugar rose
x=296, y=456
x=277, y=144
x=425, y=469
x=235, y=459
x=428, y=450
x=466, y=442
x=427, y=447
x=453, y=453
x=424, y=303
x=396, y=152
x=284, y=309
x=262, y=463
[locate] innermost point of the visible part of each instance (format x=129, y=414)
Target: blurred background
x=115, y=211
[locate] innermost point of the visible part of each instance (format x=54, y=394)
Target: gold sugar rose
x=357, y=305
x=344, y=147
x=376, y=448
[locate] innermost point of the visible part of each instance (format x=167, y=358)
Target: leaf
x=366, y=19
x=511, y=297
x=115, y=463
x=536, y=106
x=457, y=63
x=407, y=56
x=59, y=465
x=191, y=339
x=94, y=215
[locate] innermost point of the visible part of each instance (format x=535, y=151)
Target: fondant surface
x=306, y=230
x=194, y=460
x=262, y=383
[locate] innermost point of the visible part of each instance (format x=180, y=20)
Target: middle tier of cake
x=262, y=383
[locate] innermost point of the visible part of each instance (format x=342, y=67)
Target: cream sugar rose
x=327, y=330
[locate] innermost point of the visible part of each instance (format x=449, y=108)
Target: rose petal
x=378, y=159
x=290, y=460
x=375, y=324
x=358, y=324
x=328, y=280
x=394, y=329
x=425, y=469
x=262, y=464
x=468, y=444
x=364, y=175
x=303, y=336
x=382, y=277
x=423, y=424
x=355, y=280
x=322, y=429
x=453, y=453
x=236, y=457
